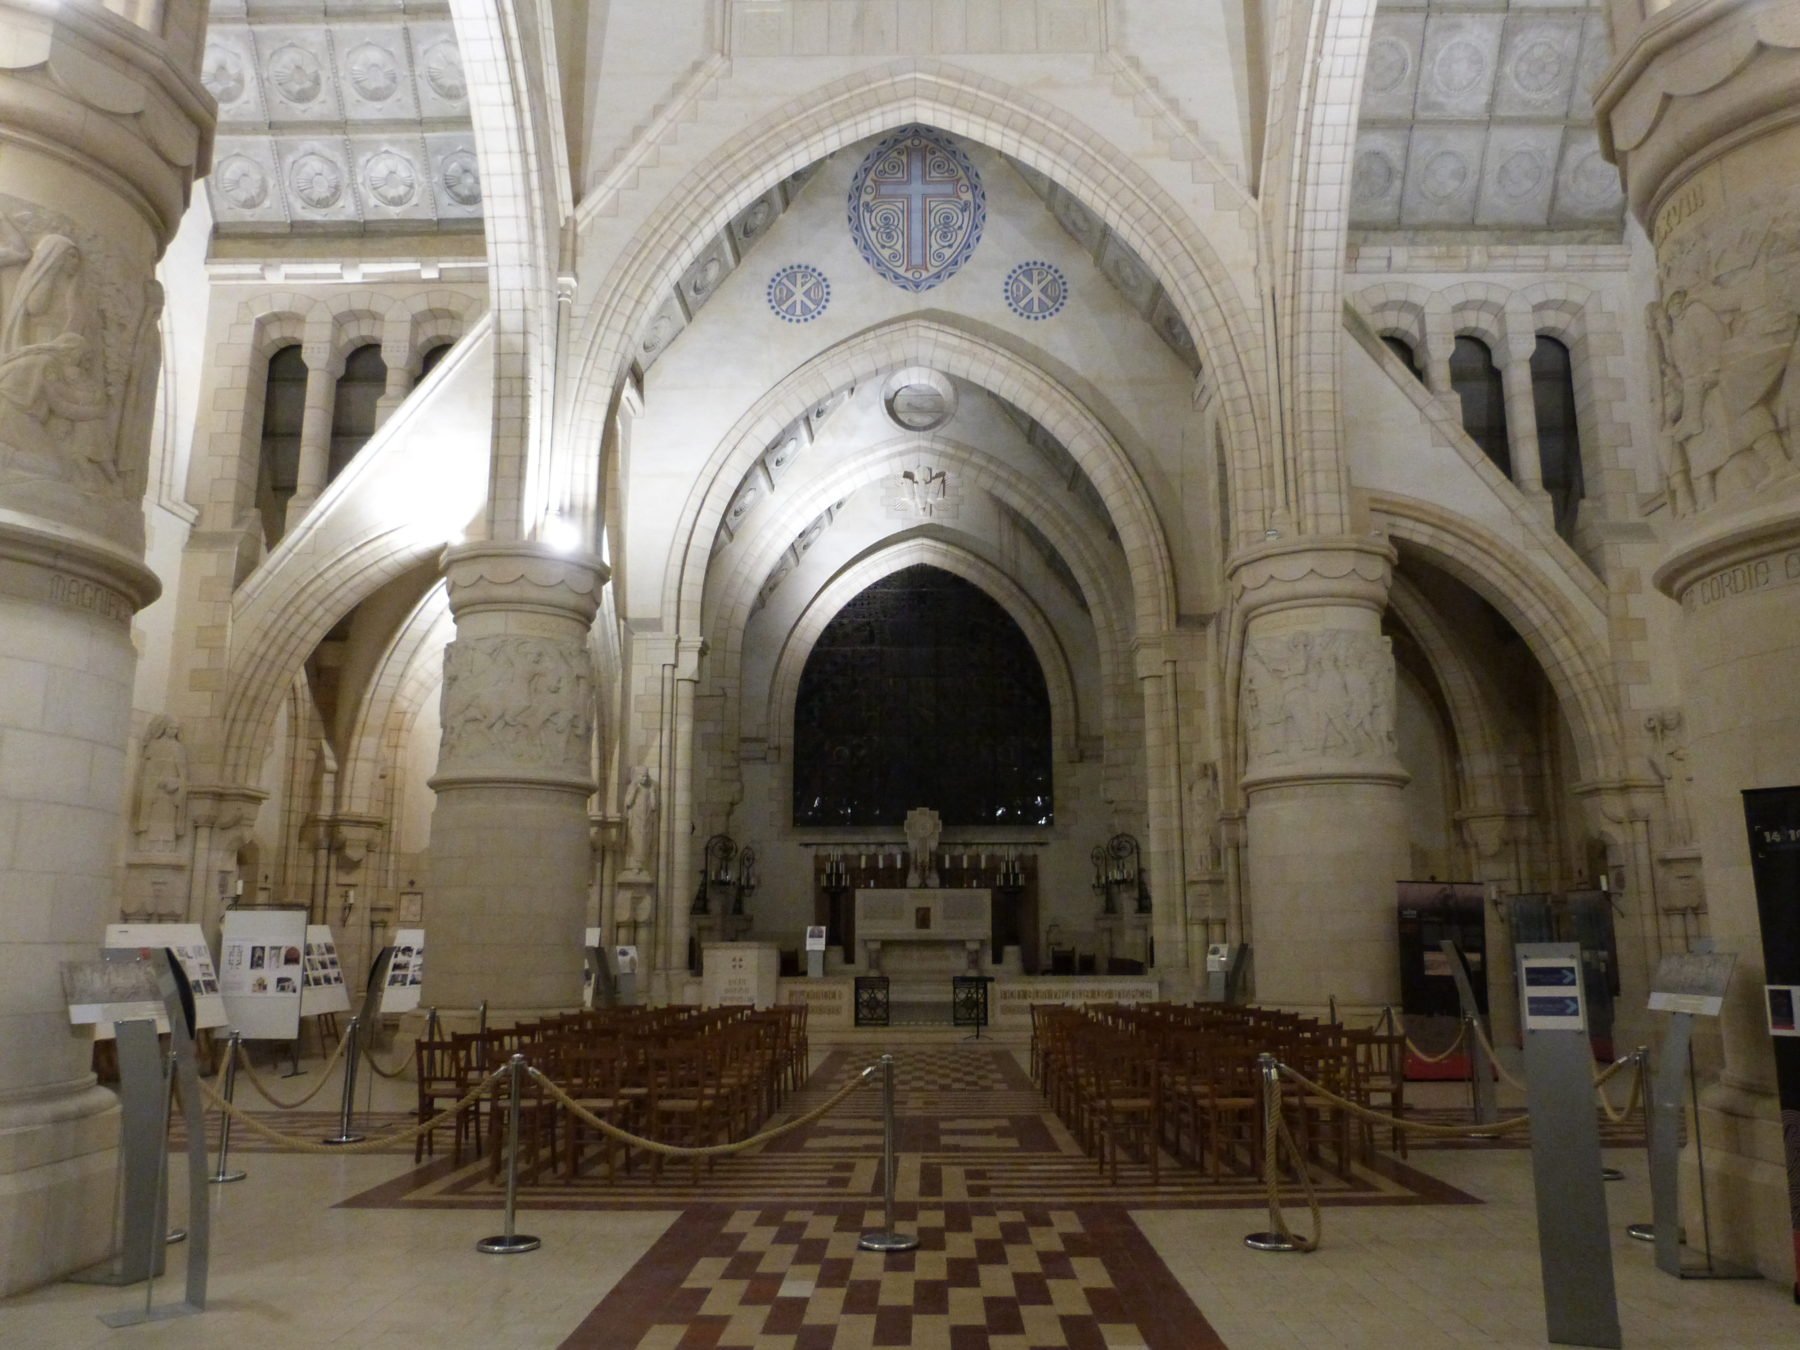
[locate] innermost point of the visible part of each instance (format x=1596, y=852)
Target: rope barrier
x=255, y=1125
x=405, y=1064
x=1506, y=1076
x=1275, y=1133
x=277, y=1102
x=1423, y=1058
x=612, y=1131
x=1632, y=1101
x=1498, y=1128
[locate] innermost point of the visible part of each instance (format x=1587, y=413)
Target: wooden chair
x=441, y=1082
x=592, y=1072
x=683, y=1103
x=1125, y=1101
x=1381, y=1059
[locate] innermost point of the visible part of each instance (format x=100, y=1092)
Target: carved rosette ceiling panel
x=1478, y=115
x=359, y=124
x=517, y=703
x=1319, y=697
x=78, y=358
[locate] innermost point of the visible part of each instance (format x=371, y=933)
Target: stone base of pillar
x=1746, y=1183
x=1323, y=860
x=58, y=1176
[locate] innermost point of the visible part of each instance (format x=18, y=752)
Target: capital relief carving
x=1727, y=335
x=517, y=702
x=75, y=390
x=1321, y=695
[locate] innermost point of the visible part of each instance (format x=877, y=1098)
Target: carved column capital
x=1284, y=574
x=486, y=578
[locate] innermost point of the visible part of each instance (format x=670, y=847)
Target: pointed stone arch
x=964, y=356
x=1200, y=283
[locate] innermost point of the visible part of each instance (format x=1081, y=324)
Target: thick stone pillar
x=1701, y=115
x=102, y=129
x=1325, y=825
x=510, y=858
x=1156, y=672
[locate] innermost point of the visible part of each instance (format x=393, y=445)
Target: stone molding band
x=56, y=569
x=1290, y=574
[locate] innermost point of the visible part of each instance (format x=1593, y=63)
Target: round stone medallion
x=799, y=293
x=1036, y=290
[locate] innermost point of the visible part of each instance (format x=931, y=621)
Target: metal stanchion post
x=1273, y=1239
x=223, y=1175
x=509, y=1242
x=1645, y=1232
x=344, y=1135
x=887, y=1240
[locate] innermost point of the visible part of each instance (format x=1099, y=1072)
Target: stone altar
x=917, y=930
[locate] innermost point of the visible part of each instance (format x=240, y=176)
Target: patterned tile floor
x=1022, y=1248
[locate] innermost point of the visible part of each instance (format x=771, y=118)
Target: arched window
x=278, y=464
x=1559, y=442
x=922, y=691
x=1401, y=348
x=1476, y=380
x=359, y=391
x=429, y=361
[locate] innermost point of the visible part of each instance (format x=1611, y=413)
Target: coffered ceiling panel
x=358, y=122
x=1477, y=115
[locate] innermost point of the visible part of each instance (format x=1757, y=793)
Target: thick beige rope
x=1275, y=1132
x=1499, y=1127
x=1515, y=1083
x=612, y=1131
x=1424, y=1058
x=405, y=1064
x=299, y=1145
x=1633, y=1100
x=318, y=1087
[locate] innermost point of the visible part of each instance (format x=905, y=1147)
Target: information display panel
x=323, y=989
x=261, y=969
x=405, y=972
x=192, y=955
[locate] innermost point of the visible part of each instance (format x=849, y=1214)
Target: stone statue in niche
x=1729, y=334
x=643, y=807
x=1323, y=694
x=1203, y=817
x=161, y=817
x=923, y=830
x=1669, y=759
x=517, y=700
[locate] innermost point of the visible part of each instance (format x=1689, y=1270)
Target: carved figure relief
x=521, y=701
x=1728, y=338
x=643, y=808
x=1669, y=761
x=1202, y=793
x=54, y=380
x=1319, y=695
x=161, y=817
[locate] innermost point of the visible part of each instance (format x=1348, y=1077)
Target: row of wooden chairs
x=686, y=1076
x=1155, y=1078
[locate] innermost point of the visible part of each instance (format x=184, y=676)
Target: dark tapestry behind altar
x=922, y=691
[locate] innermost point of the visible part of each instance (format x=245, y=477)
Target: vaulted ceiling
x=1477, y=115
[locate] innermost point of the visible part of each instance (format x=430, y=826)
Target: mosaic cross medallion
x=798, y=293
x=917, y=208
x=1036, y=290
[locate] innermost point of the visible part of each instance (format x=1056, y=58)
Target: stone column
x=1521, y=415
x=400, y=380
x=676, y=845
x=103, y=126
x=509, y=835
x=322, y=373
x=1701, y=116
x=1326, y=829
x=1156, y=672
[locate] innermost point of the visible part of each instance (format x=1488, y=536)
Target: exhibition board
x=261, y=971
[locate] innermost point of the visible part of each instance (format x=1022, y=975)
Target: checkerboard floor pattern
x=983, y=1278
